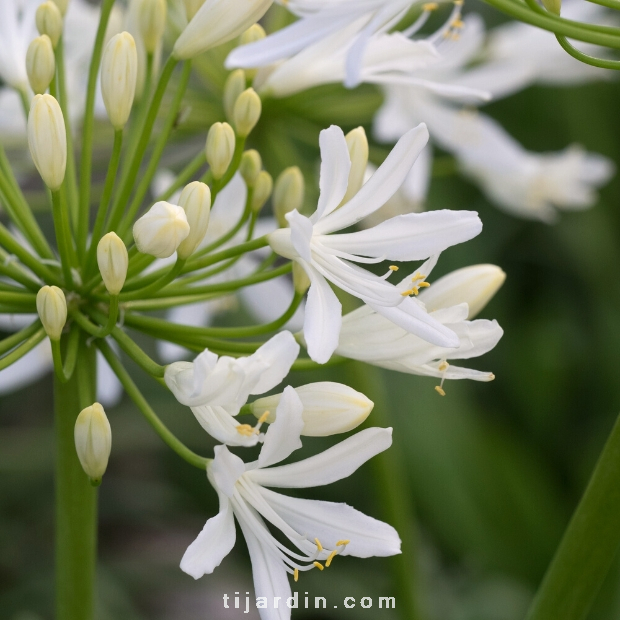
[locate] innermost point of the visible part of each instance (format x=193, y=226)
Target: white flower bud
x=301, y=281
x=62, y=5
x=93, y=441
x=151, y=23
x=262, y=190
x=553, y=6
x=119, y=73
x=195, y=200
x=288, y=194
x=40, y=64
x=216, y=22
x=161, y=229
x=192, y=7
x=475, y=286
x=52, y=309
x=250, y=166
x=47, y=140
x=329, y=408
x=235, y=85
x=220, y=148
x=254, y=33
x=357, y=143
x=49, y=21
x=113, y=262
x=246, y=112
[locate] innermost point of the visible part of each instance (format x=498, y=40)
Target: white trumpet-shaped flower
x=316, y=531
x=453, y=300
x=325, y=256
x=217, y=387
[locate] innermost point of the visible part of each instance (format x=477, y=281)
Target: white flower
x=217, y=387
x=326, y=256
x=17, y=29
x=452, y=300
x=316, y=531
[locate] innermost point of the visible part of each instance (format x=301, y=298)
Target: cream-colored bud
x=553, y=6
x=47, y=140
x=301, y=281
x=250, y=166
x=52, y=309
x=195, y=200
x=235, y=85
x=160, y=231
x=62, y=5
x=49, y=21
x=357, y=143
x=254, y=33
x=288, y=194
x=262, y=190
x=151, y=23
x=192, y=7
x=329, y=408
x=216, y=22
x=220, y=148
x=40, y=64
x=113, y=261
x=475, y=286
x=246, y=112
x=93, y=441
x=119, y=73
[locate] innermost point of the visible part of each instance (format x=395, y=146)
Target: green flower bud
x=52, y=309
x=288, y=194
x=93, y=441
x=553, y=6
x=49, y=21
x=195, y=200
x=301, y=281
x=250, y=166
x=40, y=64
x=252, y=34
x=62, y=5
x=191, y=8
x=235, y=85
x=246, y=112
x=262, y=190
x=357, y=143
x=151, y=23
x=220, y=148
x=113, y=262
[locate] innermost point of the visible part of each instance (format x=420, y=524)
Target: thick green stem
x=76, y=499
x=63, y=235
x=27, y=346
x=589, y=545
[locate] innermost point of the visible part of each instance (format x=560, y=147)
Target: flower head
x=161, y=230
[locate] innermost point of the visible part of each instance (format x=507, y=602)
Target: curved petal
x=336, y=463
x=301, y=234
x=278, y=355
x=221, y=425
x=225, y=470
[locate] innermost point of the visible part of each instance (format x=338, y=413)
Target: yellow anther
x=439, y=390
x=332, y=555
x=457, y=23
x=430, y=6
x=443, y=366
x=318, y=565
x=296, y=574
x=418, y=276
x=342, y=542
x=263, y=418
x=456, y=2
x=415, y=290
x=393, y=268
x=407, y=293
x=318, y=544
x=245, y=429
x=424, y=284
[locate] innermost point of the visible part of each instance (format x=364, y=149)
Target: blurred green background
x=492, y=471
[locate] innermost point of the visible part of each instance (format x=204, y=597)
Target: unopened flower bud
x=288, y=194
x=254, y=33
x=40, y=64
x=151, y=23
x=161, y=229
x=195, y=200
x=49, y=21
x=52, y=309
x=475, y=286
x=62, y=5
x=246, y=112
x=357, y=143
x=329, y=408
x=192, y=7
x=93, y=441
x=119, y=73
x=220, y=148
x=113, y=262
x=301, y=281
x=553, y=6
x=235, y=85
x=262, y=190
x=250, y=166
x=47, y=140
x=216, y=22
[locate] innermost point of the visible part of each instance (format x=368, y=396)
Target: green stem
x=16, y=273
x=87, y=129
x=22, y=349
x=184, y=176
x=18, y=298
x=151, y=289
x=160, y=428
x=65, y=372
x=612, y=4
x=602, y=63
x=18, y=337
x=63, y=235
x=589, y=545
x=76, y=499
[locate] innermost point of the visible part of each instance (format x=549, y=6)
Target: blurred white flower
x=316, y=530
x=17, y=29
x=325, y=256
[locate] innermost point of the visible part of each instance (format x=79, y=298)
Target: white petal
x=336, y=463
x=301, y=234
x=331, y=522
x=221, y=425
x=284, y=435
x=278, y=355
x=213, y=544
x=225, y=470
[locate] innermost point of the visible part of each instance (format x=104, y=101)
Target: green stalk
x=64, y=372
x=63, y=235
x=76, y=499
x=589, y=545
x=184, y=176
x=87, y=130
x=10, y=358
x=154, y=287
x=601, y=63
x=18, y=337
